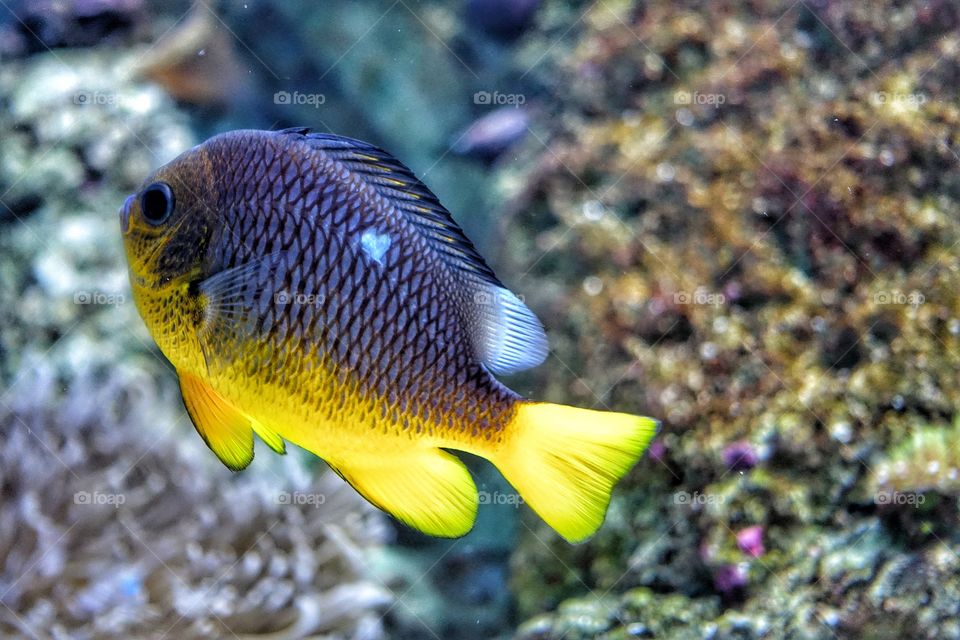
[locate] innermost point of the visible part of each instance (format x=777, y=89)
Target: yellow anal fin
x=564, y=461
x=227, y=431
x=426, y=489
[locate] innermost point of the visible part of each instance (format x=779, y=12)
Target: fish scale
x=309, y=289
x=408, y=345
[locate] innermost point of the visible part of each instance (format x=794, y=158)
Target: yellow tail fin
x=564, y=461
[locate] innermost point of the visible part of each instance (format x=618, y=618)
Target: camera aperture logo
x=899, y=498
x=702, y=296
x=697, y=499
x=99, y=498
x=98, y=298
x=301, y=499
x=297, y=98
x=500, y=498
x=695, y=97
x=495, y=298
x=901, y=101
x=100, y=99
x=903, y=298
x=497, y=99
x=302, y=299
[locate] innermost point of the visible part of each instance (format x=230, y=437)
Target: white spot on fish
x=374, y=244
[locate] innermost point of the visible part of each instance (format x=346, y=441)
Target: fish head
x=167, y=223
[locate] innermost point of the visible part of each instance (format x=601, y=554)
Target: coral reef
x=109, y=528
x=929, y=459
x=742, y=219
x=30, y=26
x=77, y=136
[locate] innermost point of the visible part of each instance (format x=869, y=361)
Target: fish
x=310, y=289
x=494, y=133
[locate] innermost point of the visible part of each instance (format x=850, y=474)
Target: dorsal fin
x=396, y=183
x=506, y=335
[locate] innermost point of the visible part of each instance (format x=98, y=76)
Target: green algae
x=928, y=460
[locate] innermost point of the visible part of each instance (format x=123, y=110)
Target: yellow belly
x=564, y=461
x=331, y=416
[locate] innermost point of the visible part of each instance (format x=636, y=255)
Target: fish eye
x=156, y=203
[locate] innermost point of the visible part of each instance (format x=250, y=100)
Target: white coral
x=114, y=524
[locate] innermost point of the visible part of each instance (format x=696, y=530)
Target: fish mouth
x=125, y=214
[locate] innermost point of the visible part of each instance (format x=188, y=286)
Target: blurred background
x=738, y=217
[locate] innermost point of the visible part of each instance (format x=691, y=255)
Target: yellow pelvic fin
x=270, y=437
x=564, y=461
x=427, y=489
x=226, y=431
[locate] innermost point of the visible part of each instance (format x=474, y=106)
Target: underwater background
x=738, y=217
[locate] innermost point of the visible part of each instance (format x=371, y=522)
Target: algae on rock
x=742, y=220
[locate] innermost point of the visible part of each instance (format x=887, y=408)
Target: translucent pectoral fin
x=429, y=490
x=227, y=431
x=237, y=304
x=506, y=336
